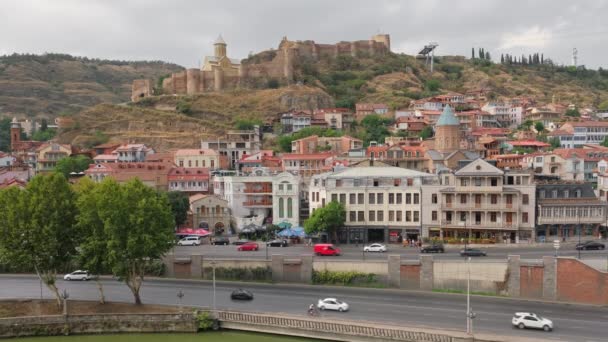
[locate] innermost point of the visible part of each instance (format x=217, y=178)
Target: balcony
x=483, y=224
x=571, y=220
x=472, y=206
x=479, y=189
x=261, y=188
x=258, y=203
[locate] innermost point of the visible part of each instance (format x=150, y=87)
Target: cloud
x=534, y=37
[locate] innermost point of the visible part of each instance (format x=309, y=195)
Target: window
x=343, y=198
x=371, y=216
x=380, y=198
x=196, y=163
x=380, y=215
x=372, y=198
x=352, y=215
x=280, y=186
x=448, y=216
x=408, y=216
x=352, y=199
x=416, y=216
x=554, y=193
x=434, y=215
x=434, y=198
x=360, y=198
x=212, y=163
x=494, y=199
x=492, y=217
x=477, y=181
x=189, y=163
x=397, y=181
x=463, y=182
x=416, y=198
x=391, y=215
x=334, y=197
x=181, y=163
x=289, y=207
x=408, y=198
x=360, y=216
x=281, y=208
x=463, y=199
x=338, y=183
x=376, y=182
x=542, y=194
x=446, y=180
x=399, y=198
x=524, y=217
x=289, y=187
x=399, y=216
x=494, y=182
x=410, y=182
x=525, y=199
x=391, y=199
x=463, y=216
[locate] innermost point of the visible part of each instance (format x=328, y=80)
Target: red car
x=248, y=246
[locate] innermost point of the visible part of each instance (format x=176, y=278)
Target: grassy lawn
x=224, y=336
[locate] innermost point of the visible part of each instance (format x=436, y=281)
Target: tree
x=44, y=125
x=573, y=113
x=488, y=55
x=180, y=204
x=93, y=248
x=273, y=83
x=604, y=142
x=77, y=164
x=502, y=59
x=139, y=228
x=37, y=227
x=539, y=126
x=426, y=132
x=527, y=124
x=45, y=135
x=326, y=219
x=480, y=53
x=247, y=124
x=472, y=53
x=603, y=106
x=432, y=85
x=375, y=128
x=555, y=142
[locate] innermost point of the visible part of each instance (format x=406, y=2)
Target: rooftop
x=447, y=118
x=380, y=172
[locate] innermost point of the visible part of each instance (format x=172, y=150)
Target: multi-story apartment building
x=507, y=115
x=49, y=154
x=336, y=118
x=382, y=203
x=190, y=180
x=565, y=167
x=295, y=121
x=261, y=197
x=307, y=165
x=197, y=158
x=406, y=156
x=578, y=134
x=235, y=144
x=364, y=109
x=479, y=201
x=153, y=174
x=567, y=210
x=338, y=145
x=133, y=153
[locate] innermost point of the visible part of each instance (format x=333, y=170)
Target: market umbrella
x=284, y=225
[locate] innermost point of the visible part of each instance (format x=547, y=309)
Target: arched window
x=281, y=208
x=289, y=207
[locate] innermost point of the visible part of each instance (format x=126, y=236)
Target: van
x=190, y=241
x=326, y=249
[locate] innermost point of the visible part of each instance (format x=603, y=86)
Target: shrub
x=156, y=268
x=342, y=277
x=204, y=321
x=183, y=106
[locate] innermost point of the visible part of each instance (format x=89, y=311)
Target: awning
x=191, y=231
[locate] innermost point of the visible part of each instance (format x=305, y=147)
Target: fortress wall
x=168, y=86
x=179, y=82
x=193, y=77
x=326, y=51
x=140, y=88
x=208, y=80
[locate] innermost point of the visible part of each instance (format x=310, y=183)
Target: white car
x=531, y=320
x=78, y=275
x=332, y=304
x=375, y=247
x=190, y=241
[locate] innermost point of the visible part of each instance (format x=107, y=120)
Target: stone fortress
x=219, y=72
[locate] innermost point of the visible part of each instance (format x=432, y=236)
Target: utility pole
x=213, y=266
x=578, y=216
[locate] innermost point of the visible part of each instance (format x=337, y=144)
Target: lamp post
x=470, y=313
x=180, y=295
x=213, y=267
x=578, y=216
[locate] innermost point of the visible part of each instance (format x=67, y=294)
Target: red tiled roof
x=181, y=173
x=527, y=143
x=557, y=132
x=308, y=156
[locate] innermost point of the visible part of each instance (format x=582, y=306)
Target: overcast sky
x=182, y=31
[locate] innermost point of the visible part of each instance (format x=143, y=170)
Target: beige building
x=480, y=201
x=195, y=158
x=210, y=212
x=48, y=154
x=382, y=203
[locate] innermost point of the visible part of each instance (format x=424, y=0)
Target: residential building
x=13, y=182
x=264, y=158
x=6, y=159
x=106, y=148
x=295, y=121
x=307, y=165
x=19, y=173
x=509, y=161
x=479, y=201
x=336, y=118
x=338, y=145
x=235, y=144
x=152, y=174
x=261, y=197
x=532, y=145
x=579, y=133
x=412, y=125
x=210, y=212
x=200, y=158
x=132, y=153
x=568, y=210
x=382, y=203
x=411, y=157
x=562, y=166
x=364, y=109
x=190, y=180
x=543, y=114
x=507, y=115
x=49, y=154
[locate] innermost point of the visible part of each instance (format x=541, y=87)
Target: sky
x=183, y=31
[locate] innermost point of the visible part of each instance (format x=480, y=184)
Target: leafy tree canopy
x=426, y=132
x=573, y=113
x=326, y=219
x=247, y=124
x=79, y=163
x=539, y=126
x=180, y=204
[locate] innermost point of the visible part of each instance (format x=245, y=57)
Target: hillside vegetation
x=51, y=84
x=167, y=122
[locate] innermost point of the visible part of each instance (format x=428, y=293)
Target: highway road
x=435, y=310
x=352, y=252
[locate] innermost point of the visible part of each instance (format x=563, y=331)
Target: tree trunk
x=48, y=278
x=134, y=283
x=102, y=298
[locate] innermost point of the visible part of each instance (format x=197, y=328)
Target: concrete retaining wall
x=485, y=276
x=95, y=324
x=376, y=267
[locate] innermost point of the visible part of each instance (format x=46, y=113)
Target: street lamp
x=180, y=295
x=213, y=267
x=470, y=313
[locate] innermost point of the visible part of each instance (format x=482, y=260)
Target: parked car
x=590, y=245
x=472, y=252
x=432, y=249
x=240, y=242
x=375, y=247
x=190, y=241
x=332, y=304
x=249, y=246
x=78, y=275
x=326, y=249
x=277, y=243
x=220, y=241
x=240, y=294
x=523, y=320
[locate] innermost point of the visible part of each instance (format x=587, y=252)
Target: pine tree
x=502, y=59
x=487, y=55
x=542, y=58
x=480, y=54
x=472, y=53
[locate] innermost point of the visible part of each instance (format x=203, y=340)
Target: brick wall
x=577, y=282
x=531, y=281
x=410, y=277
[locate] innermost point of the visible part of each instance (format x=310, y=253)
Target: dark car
x=590, y=245
x=240, y=294
x=240, y=242
x=277, y=243
x=432, y=249
x=220, y=241
x=472, y=252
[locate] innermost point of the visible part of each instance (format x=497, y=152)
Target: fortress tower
x=447, y=131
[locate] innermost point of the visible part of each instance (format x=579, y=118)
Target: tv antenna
x=574, y=57
x=429, y=53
